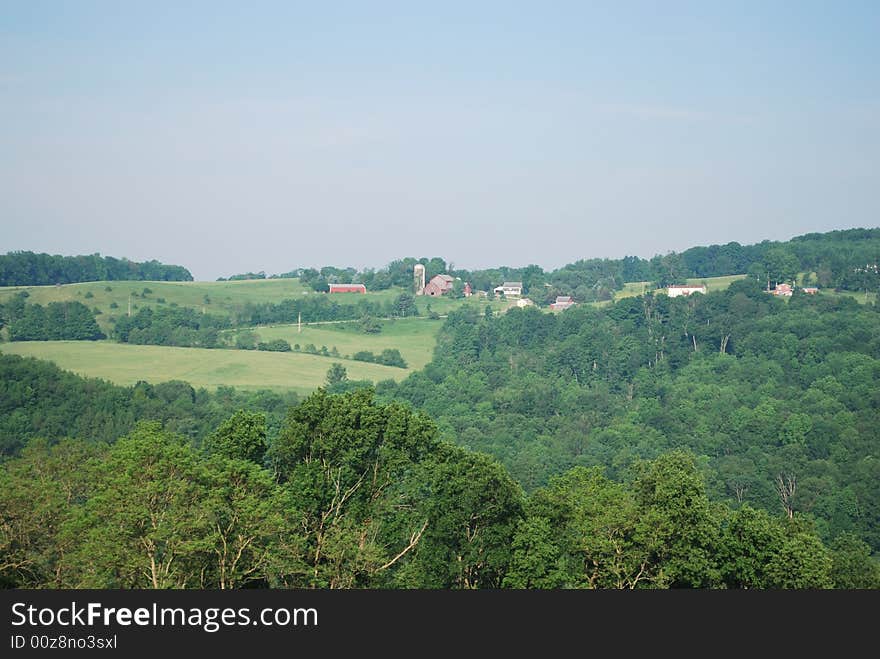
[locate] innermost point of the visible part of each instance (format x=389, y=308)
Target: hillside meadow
x=414, y=337
x=222, y=298
x=244, y=369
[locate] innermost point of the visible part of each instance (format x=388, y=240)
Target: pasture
x=222, y=297
x=414, y=337
x=244, y=369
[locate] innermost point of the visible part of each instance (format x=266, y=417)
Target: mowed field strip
x=245, y=369
x=414, y=337
x=222, y=296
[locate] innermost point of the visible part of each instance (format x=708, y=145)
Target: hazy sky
x=240, y=136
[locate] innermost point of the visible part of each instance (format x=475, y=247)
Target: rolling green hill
x=244, y=369
x=214, y=297
x=414, y=337
x=219, y=298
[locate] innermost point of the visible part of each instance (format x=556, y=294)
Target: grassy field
x=245, y=369
x=443, y=305
x=221, y=297
x=715, y=283
x=634, y=288
x=859, y=297
x=414, y=337
x=214, y=297
x=126, y=364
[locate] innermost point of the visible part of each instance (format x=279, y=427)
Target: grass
x=712, y=284
x=632, y=289
x=860, y=297
x=222, y=297
x=414, y=337
x=245, y=369
x=715, y=283
x=443, y=305
x=126, y=364
x=635, y=288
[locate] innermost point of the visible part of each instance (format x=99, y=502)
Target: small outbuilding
x=348, y=288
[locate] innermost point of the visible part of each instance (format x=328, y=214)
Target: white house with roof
x=509, y=289
x=675, y=291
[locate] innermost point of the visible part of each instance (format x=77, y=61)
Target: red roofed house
x=810, y=290
x=439, y=285
x=562, y=302
x=348, y=288
x=783, y=290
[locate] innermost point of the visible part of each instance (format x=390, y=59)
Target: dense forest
x=352, y=493
x=770, y=395
x=39, y=400
x=29, y=269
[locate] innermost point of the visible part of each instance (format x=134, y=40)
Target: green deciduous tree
x=37, y=492
x=470, y=507
x=339, y=457
x=852, y=564
x=801, y=562
x=676, y=521
x=336, y=374
x=146, y=525
x=749, y=541
x=242, y=437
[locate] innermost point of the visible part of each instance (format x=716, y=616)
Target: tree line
x=184, y=326
x=353, y=493
x=317, y=308
x=174, y=326
x=30, y=269
x=845, y=259
x=39, y=400
x=57, y=321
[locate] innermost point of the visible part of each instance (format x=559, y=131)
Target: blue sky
x=264, y=136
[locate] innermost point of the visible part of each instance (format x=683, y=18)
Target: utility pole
x=299, y=323
x=129, y=304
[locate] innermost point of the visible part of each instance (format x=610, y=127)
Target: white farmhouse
x=675, y=291
x=509, y=288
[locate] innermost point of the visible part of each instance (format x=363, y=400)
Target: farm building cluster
x=442, y=284
x=787, y=290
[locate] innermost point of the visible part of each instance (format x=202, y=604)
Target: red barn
x=439, y=285
x=348, y=288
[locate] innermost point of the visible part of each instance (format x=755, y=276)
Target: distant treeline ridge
x=30, y=269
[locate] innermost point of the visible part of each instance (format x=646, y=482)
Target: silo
x=419, y=278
